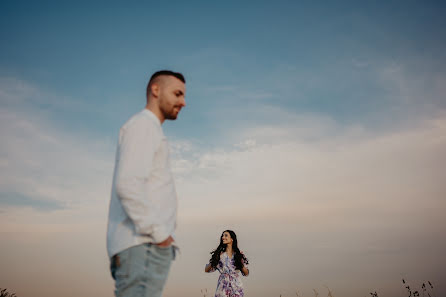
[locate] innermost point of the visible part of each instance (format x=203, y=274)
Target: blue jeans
x=141, y=271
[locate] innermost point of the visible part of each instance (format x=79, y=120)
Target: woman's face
x=226, y=238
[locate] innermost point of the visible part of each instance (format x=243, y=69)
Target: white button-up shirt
x=143, y=205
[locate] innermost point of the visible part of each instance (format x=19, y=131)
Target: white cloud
x=347, y=197
x=23, y=96
x=42, y=162
x=338, y=163
x=419, y=88
x=334, y=195
x=46, y=174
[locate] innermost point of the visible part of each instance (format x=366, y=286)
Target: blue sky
x=281, y=54
x=295, y=110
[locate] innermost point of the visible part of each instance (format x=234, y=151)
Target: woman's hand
x=208, y=267
x=245, y=271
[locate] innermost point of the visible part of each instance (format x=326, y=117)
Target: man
x=143, y=205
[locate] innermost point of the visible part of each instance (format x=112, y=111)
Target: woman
x=230, y=262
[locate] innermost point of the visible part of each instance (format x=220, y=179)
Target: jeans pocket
x=120, y=264
x=165, y=251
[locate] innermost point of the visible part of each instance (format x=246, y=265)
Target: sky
x=315, y=131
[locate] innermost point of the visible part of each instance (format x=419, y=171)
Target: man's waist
x=116, y=244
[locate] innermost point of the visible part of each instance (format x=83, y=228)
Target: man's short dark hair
x=167, y=72
x=164, y=72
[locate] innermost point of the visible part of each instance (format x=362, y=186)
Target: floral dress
x=229, y=282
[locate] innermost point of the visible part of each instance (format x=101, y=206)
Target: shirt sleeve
x=138, y=144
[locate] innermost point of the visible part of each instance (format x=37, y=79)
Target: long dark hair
x=239, y=258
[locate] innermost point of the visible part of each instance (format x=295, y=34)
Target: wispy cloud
x=326, y=189
x=42, y=167
x=417, y=88
x=20, y=95
x=321, y=164
x=334, y=196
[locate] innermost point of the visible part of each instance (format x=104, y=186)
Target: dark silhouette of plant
x=5, y=293
x=427, y=290
x=204, y=292
x=416, y=293
x=431, y=287
x=408, y=288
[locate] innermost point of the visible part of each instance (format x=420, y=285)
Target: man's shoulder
x=141, y=119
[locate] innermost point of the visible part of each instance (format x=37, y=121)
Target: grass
x=5, y=293
x=427, y=290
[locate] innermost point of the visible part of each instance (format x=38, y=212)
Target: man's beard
x=171, y=114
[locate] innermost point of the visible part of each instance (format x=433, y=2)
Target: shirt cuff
x=159, y=234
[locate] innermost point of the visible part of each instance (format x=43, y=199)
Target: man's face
x=172, y=97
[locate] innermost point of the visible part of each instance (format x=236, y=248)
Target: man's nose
x=183, y=101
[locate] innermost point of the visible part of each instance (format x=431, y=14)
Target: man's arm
x=138, y=144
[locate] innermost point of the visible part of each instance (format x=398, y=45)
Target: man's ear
x=155, y=90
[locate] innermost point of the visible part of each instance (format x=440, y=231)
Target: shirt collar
x=151, y=115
